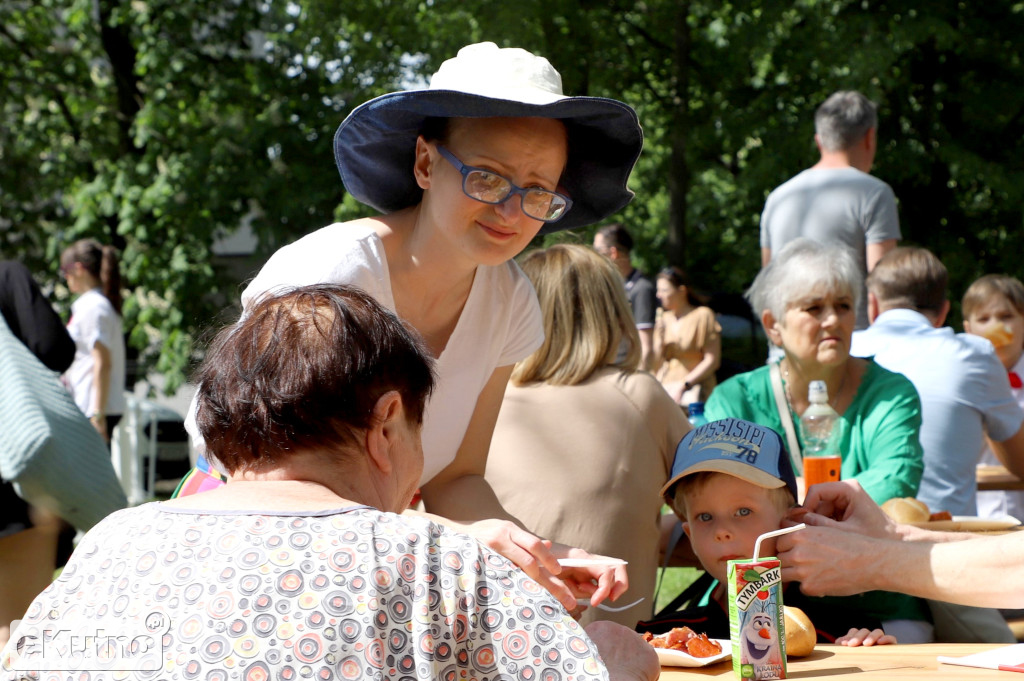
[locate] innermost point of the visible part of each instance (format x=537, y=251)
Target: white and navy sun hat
x=375, y=145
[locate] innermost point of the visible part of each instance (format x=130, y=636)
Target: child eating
x=993, y=307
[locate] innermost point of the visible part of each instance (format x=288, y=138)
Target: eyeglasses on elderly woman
x=489, y=187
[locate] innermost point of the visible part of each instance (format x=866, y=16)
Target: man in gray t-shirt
x=836, y=200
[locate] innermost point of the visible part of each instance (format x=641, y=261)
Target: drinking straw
x=774, y=533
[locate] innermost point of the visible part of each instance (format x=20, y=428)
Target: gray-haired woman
x=807, y=298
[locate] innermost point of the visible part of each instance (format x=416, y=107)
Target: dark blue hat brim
x=375, y=148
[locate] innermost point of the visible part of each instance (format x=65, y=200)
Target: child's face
x=726, y=516
x=1000, y=322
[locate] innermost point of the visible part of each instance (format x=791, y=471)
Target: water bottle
x=696, y=411
x=819, y=427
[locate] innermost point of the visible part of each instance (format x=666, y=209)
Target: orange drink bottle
x=756, y=623
x=821, y=469
x=820, y=425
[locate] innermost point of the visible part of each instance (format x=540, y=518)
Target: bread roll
x=907, y=510
x=1000, y=336
x=800, y=634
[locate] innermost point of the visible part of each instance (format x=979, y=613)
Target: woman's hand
x=675, y=389
x=865, y=637
x=538, y=558
x=597, y=582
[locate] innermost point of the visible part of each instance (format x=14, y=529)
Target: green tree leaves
x=159, y=126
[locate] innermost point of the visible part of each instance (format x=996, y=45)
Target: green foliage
x=158, y=126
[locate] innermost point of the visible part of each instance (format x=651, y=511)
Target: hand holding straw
x=774, y=533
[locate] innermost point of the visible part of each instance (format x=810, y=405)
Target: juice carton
x=756, y=623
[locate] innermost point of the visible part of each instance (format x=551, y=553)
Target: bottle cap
x=817, y=392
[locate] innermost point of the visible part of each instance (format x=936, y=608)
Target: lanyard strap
x=795, y=455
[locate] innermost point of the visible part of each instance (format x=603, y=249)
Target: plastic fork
x=608, y=608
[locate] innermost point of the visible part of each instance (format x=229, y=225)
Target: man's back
x=964, y=394
x=832, y=205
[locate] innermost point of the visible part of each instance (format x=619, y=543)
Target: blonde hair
x=780, y=497
x=982, y=290
x=586, y=317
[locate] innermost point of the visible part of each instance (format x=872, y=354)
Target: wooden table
x=997, y=478
x=877, y=662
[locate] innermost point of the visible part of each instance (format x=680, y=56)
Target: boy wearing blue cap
x=732, y=482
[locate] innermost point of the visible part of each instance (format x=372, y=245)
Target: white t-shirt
x=1001, y=503
x=500, y=324
x=93, y=320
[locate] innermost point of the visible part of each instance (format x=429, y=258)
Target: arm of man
x=851, y=546
x=1010, y=452
x=646, y=348
x=979, y=571
x=875, y=251
x=645, y=313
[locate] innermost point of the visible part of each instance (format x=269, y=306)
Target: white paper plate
x=677, y=658
x=970, y=523
x=589, y=562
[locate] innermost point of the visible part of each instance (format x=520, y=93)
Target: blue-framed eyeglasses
x=489, y=187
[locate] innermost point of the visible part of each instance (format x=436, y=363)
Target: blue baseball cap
x=735, y=447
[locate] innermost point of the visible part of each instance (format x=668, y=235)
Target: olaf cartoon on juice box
x=756, y=622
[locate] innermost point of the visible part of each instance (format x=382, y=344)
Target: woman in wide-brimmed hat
x=465, y=174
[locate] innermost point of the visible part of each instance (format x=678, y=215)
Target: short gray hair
x=844, y=119
x=804, y=266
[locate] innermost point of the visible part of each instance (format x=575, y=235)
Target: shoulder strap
x=690, y=596
x=673, y=540
x=795, y=454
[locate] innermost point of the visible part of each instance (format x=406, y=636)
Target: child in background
x=993, y=307
x=732, y=482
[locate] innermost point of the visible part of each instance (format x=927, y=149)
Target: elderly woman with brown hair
x=302, y=565
x=585, y=441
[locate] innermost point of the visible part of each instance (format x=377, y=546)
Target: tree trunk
x=679, y=171
x=121, y=52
